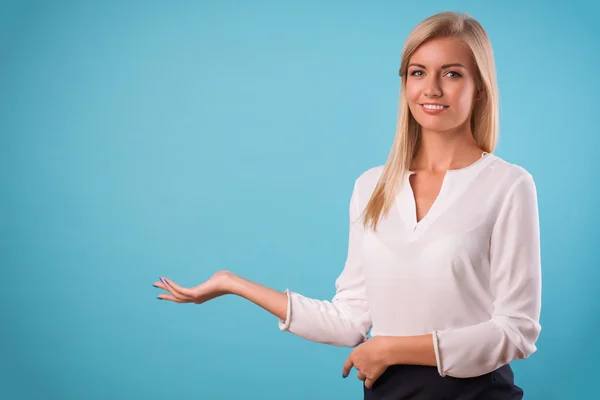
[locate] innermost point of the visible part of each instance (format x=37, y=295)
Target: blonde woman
x=443, y=261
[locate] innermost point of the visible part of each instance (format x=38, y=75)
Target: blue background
x=141, y=139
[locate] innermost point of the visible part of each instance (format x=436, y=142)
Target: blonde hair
x=484, y=118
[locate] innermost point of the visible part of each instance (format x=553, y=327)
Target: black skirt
x=415, y=382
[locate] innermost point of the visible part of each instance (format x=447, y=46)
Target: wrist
x=414, y=350
x=393, y=350
x=226, y=282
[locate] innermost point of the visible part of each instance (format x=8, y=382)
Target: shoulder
x=368, y=179
x=370, y=176
x=508, y=176
x=512, y=183
x=365, y=183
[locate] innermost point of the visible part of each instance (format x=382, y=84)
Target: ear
x=479, y=94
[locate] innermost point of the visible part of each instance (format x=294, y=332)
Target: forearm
x=269, y=299
x=411, y=350
x=343, y=324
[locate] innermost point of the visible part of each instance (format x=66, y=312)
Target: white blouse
x=468, y=273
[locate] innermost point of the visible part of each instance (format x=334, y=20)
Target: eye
x=416, y=72
x=455, y=74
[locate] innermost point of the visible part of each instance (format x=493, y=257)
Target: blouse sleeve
x=515, y=282
x=346, y=319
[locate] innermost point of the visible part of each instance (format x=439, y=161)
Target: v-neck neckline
x=485, y=155
x=411, y=202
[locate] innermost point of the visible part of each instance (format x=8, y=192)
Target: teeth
x=432, y=107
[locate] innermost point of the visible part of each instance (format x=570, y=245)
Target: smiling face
x=440, y=85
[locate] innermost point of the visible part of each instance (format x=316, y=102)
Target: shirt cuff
x=285, y=325
x=438, y=358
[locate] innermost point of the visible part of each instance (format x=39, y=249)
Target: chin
x=438, y=125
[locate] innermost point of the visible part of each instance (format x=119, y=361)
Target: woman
x=444, y=251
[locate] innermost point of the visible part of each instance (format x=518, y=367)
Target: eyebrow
x=443, y=66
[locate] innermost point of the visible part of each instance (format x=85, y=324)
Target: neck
x=441, y=151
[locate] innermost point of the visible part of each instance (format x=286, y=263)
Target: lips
x=433, y=109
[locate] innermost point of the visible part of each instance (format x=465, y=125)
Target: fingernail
x=160, y=298
x=154, y=285
x=166, y=281
x=343, y=376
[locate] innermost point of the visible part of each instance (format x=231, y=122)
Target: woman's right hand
x=225, y=282
x=217, y=285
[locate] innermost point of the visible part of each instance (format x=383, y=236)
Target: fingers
x=172, y=298
x=184, y=292
x=347, y=367
x=175, y=295
x=369, y=383
x=361, y=376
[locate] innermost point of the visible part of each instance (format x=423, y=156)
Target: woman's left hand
x=370, y=359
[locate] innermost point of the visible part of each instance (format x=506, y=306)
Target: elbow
x=341, y=335
x=351, y=338
x=354, y=322
x=345, y=333
x=356, y=336
x=479, y=349
x=337, y=323
x=519, y=338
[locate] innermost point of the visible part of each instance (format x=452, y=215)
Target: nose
x=432, y=88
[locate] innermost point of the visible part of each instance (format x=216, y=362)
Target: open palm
x=214, y=287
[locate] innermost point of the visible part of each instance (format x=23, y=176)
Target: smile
x=433, y=108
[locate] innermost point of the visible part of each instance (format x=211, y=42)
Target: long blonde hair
x=484, y=119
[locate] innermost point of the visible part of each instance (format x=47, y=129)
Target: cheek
x=463, y=97
x=466, y=101
x=413, y=94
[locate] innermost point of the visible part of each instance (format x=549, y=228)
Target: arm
x=271, y=300
x=515, y=284
x=410, y=350
x=344, y=321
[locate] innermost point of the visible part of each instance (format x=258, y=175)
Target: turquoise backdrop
x=148, y=138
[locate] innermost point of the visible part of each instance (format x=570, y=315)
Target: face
x=440, y=85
